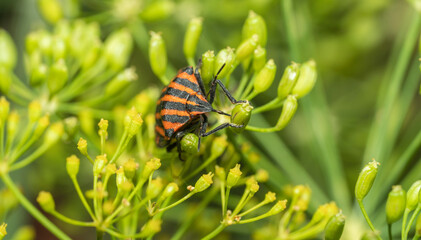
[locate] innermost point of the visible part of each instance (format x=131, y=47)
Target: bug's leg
x=171, y=146
x=228, y=94
x=220, y=127
x=179, y=136
x=203, y=127
x=199, y=78
x=212, y=89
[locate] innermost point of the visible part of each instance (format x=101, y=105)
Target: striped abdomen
x=180, y=103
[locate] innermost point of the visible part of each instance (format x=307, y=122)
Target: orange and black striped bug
x=182, y=108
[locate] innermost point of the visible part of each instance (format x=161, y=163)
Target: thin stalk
x=411, y=221
x=120, y=145
x=82, y=198
x=253, y=208
x=32, y=209
x=72, y=221
x=225, y=202
x=360, y=202
x=2, y=140
x=189, y=221
x=76, y=109
x=215, y=232
x=208, y=161
x=243, y=84
x=176, y=203
x=32, y=157
x=275, y=103
x=389, y=231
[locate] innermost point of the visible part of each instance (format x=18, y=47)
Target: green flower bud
x=103, y=128
x=288, y=80
x=270, y=197
x=157, y=10
x=72, y=166
x=194, y=29
x=99, y=164
x=122, y=182
x=288, y=111
x=219, y=145
x=108, y=207
x=92, y=55
x=365, y=180
x=44, y=42
x=110, y=169
x=151, y=227
x=233, y=176
x=370, y=235
x=133, y=121
x=82, y=145
x=130, y=168
x=157, y=54
x=335, y=227
x=117, y=49
x=241, y=115
x=252, y=185
x=412, y=195
x=246, y=48
x=395, y=204
x=70, y=127
x=57, y=76
x=54, y=133
x=154, y=188
x=265, y=77
x=42, y=124
x=225, y=56
x=34, y=111
x=255, y=25
x=262, y=175
x=278, y=207
x=3, y=231
x=5, y=79
x=50, y=10
x=120, y=82
x=169, y=190
x=220, y=173
x=259, y=58
x=189, y=143
x=145, y=101
x=39, y=74
x=204, y=182
x=12, y=123
x=59, y=48
x=324, y=211
x=306, y=79
x=207, y=68
x=8, y=53
x=303, y=199
x=4, y=110
x=46, y=201
x=150, y=167
x=31, y=42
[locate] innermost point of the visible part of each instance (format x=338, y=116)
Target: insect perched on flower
x=182, y=108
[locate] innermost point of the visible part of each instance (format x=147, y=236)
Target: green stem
x=308, y=233
x=120, y=145
x=360, y=202
x=389, y=230
x=82, y=197
x=253, y=208
x=215, y=232
x=76, y=109
x=176, y=203
x=411, y=221
x=275, y=103
x=251, y=95
x=249, y=88
x=132, y=211
x=225, y=202
x=188, y=222
x=2, y=140
x=31, y=209
x=405, y=217
x=32, y=157
x=243, y=84
x=210, y=159
x=240, y=204
x=72, y=221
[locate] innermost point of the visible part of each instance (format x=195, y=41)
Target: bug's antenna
x=219, y=71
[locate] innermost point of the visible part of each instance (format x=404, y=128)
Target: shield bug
x=182, y=108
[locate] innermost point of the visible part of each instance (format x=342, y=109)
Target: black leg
x=179, y=136
x=228, y=94
x=220, y=127
x=203, y=127
x=199, y=78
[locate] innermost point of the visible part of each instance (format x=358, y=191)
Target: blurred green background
x=351, y=41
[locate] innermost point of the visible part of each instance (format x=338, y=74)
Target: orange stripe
x=191, y=78
x=170, y=98
x=157, y=116
x=196, y=113
x=174, y=112
x=175, y=126
x=186, y=89
x=160, y=130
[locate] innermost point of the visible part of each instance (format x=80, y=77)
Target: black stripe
x=175, y=118
x=187, y=83
x=169, y=132
x=173, y=106
x=188, y=70
x=159, y=123
x=177, y=93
